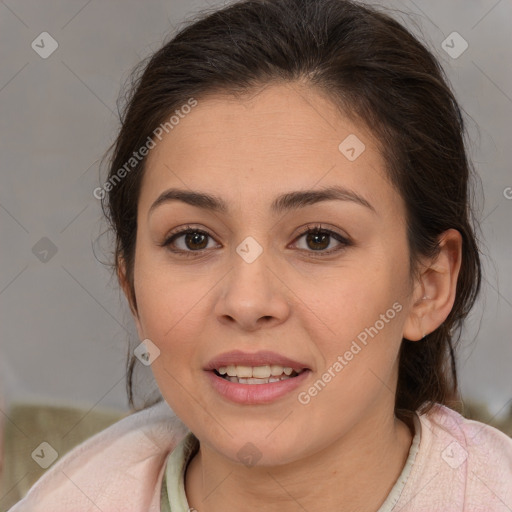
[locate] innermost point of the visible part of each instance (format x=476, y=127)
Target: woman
x=289, y=195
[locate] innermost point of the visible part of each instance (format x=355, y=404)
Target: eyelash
x=316, y=229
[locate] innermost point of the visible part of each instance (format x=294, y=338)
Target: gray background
x=64, y=330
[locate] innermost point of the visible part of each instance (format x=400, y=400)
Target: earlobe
x=435, y=288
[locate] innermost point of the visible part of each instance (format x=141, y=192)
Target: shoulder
x=481, y=443
x=120, y=468
x=463, y=462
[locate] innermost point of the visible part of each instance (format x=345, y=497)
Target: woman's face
x=250, y=290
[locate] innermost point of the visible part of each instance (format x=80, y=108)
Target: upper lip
x=261, y=358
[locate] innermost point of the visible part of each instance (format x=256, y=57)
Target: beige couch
x=28, y=425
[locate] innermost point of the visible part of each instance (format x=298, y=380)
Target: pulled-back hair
x=378, y=74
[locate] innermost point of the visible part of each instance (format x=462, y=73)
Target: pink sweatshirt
x=460, y=465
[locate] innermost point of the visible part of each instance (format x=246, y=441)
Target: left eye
x=318, y=240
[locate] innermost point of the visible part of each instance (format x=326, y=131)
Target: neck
x=363, y=466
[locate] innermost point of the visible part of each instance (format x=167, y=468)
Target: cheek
x=171, y=312
x=359, y=316
x=354, y=299
x=359, y=352
x=168, y=300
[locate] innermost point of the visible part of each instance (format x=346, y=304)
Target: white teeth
x=258, y=372
x=276, y=370
x=256, y=381
x=261, y=372
x=244, y=371
x=240, y=380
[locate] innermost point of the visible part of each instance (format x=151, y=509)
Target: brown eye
x=321, y=241
x=188, y=241
x=318, y=241
x=196, y=241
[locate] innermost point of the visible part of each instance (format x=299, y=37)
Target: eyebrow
x=282, y=203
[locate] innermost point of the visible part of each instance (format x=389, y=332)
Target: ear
x=434, y=290
x=127, y=290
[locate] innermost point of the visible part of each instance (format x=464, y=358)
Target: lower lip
x=251, y=394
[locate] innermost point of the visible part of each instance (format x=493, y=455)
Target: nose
x=253, y=295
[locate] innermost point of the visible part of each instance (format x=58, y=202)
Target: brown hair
x=378, y=73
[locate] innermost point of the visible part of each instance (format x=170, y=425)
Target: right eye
x=188, y=241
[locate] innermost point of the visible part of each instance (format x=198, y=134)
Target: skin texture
x=290, y=300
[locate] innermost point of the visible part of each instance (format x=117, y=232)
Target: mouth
x=257, y=378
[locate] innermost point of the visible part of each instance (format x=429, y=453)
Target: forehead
x=280, y=138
